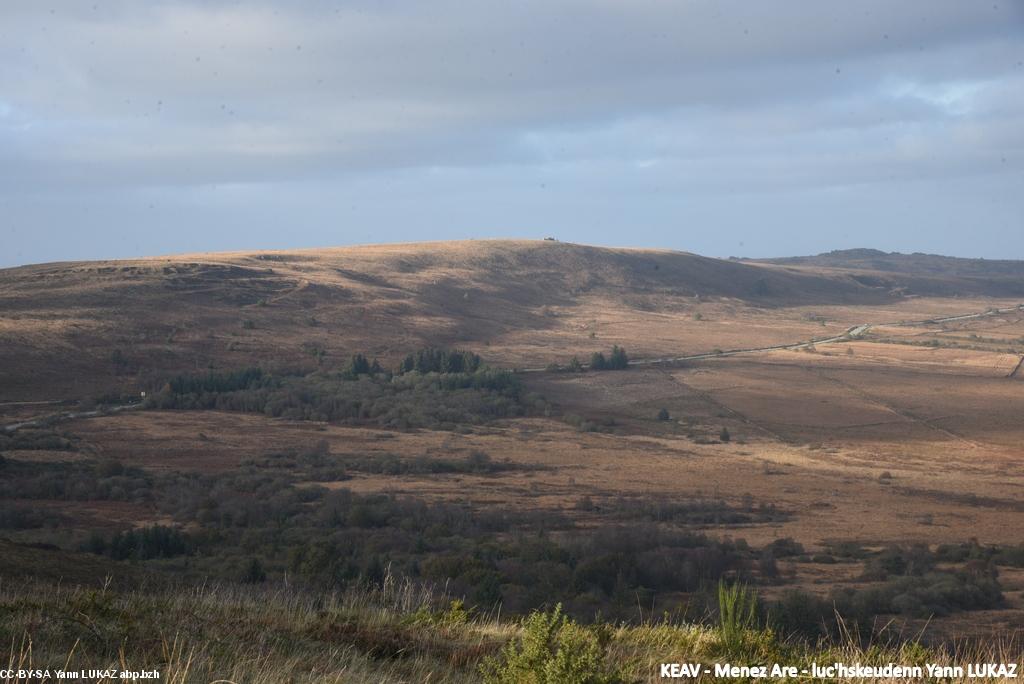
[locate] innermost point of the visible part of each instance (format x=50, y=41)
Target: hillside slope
x=79, y=328
x=928, y=273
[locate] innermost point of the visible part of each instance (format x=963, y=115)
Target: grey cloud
x=117, y=99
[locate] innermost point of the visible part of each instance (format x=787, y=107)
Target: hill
x=92, y=319
x=81, y=329
x=998, y=277
x=401, y=633
x=875, y=435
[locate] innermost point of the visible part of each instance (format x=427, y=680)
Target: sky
x=722, y=127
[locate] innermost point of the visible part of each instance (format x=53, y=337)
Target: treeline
x=520, y=557
x=337, y=468
x=267, y=515
x=34, y=439
x=440, y=361
x=218, y=383
x=617, y=359
x=157, y=541
x=903, y=581
x=431, y=388
x=73, y=481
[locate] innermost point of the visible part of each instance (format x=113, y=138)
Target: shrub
x=724, y=435
x=895, y=560
x=663, y=414
x=150, y=542
x=618, y=359
x=440, y=361
x=737, y=610
x=254, y=572
x=786, y=546
x=553, y=650
x=434, y=400
x=799, y=612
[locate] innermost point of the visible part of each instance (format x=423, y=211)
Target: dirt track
x=850, y=334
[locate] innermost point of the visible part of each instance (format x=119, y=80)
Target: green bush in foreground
x=268, y=633
x=737, y=609
x=553, y=649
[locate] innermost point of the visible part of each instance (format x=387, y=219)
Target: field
x=806, y=469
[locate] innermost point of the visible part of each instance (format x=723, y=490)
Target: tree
x=663, y=414
x=724, y=435
x=254, y=572
x=575, y=366
x=618, y=359
x=441, y=361
x=598, y=362
x=359, y=365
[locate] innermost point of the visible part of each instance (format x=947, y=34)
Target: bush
x=440, y=361
x=913, y=560
x=802, y=613
x=934, y=594
x=617, y=360
x=433, y=399
x=737, y=610
x=855, y=610
x=553, y=650
x=150, y=542
x=254, y=572
x=663, y=414
x=786, y=546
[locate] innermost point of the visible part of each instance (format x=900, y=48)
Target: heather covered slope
x=400, y=633
x=928, y=274
x=98, y=321
x=79, y=329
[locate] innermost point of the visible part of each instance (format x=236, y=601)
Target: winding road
x=853, y=333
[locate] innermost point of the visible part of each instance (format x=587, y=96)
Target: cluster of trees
x=255, y=522
x=18, y=516
x=33, y=439
x=616, y=360
x=73, y=481
x=219, y=383
x=433, y=360
x=360, y=365
x=157, y=541
x=905, y=581
x=463, y=391
x=692, y=512
x=1010, y=556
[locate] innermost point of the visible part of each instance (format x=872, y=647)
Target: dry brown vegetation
x=908, y=434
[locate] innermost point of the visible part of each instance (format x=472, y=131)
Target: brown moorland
x=906, y=433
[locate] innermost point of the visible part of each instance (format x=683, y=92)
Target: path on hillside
x=853, y=333
x=52, y=418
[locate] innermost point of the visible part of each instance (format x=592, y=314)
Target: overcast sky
x=722, y=127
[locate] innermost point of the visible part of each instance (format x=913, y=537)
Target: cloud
x=701, y=96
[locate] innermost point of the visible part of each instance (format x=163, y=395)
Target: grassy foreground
x=235, y=633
